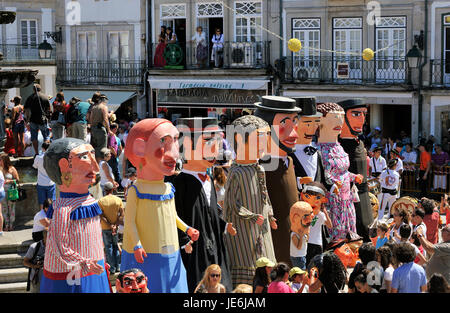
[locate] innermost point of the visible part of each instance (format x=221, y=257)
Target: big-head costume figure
x=196, y=200
x=336, y=164
x=355, y=117
x=74, y=256
x=150, y=240
x=247, y=204
x=307, y=160
x=132, y=281
x=282, y=114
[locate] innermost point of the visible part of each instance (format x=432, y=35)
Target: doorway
x=395, y=119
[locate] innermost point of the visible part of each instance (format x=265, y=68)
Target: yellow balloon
x=294, y=45
x=368, y=54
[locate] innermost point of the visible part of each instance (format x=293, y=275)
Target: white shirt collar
x=195, y=174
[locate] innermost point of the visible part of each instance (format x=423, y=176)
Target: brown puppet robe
x=282, y=188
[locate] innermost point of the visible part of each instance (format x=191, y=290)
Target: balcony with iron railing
x=14, y=54
x=235, y=55
x=440, y=73
x=342, y=70
x=106, y=73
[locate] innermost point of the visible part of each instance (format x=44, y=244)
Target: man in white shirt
x=389, y=180
x=409, y=156
x=377, y=163
x=395, y=155
x=45, y=186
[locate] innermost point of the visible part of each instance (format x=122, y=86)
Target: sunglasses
x=214, y=275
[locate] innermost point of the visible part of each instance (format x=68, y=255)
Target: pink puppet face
x=285, y=125
x=81, y=164
x=161, y=150
x=332, y=123
x=307, y=128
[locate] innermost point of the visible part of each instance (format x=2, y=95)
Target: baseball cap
x=296, y=270
x=261, y=262
x=378, y=128
x=108, y=186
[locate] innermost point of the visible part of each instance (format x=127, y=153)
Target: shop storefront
x=174, y=98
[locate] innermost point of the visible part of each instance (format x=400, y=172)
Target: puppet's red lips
x=136, y=290
x=337, y=128
x=170, y=163
x=290, y=141
x=91, y=175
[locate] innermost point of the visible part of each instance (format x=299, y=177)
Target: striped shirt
x=72, y=242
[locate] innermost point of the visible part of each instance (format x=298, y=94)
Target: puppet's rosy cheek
x=159, y=153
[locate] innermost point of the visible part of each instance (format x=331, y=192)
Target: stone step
x=13, y=287
x=11, y=260
x=13, y=275
x=15, y=248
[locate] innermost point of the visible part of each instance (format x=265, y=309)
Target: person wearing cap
x=395, y=155
x=307, y=161
x=377, y=163
x=298, y=280
x=389, y=181
x=111, y=218
x=151, y=222
x=375, y=137
x=196, y=199
x=261, y=279
x=246, y=203
x=355, y=117
x=40, y=111
x=281, y=114
x=98, y=117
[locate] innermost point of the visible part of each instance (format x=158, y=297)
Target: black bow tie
x=310, y=150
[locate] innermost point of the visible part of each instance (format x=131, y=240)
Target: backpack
x=73, y=114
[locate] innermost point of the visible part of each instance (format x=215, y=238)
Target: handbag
x=61, y=119
x=22, y=194
x=13, y=192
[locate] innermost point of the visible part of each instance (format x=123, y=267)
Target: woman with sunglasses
x=401, y=217
x=210, y=282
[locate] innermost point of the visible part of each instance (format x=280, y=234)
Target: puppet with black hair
x=282, y=115
x=196, y=201
x=247, y=204
x=74, y=256
x=355, y=117
x=131, y=281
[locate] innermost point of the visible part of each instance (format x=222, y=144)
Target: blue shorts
x=45, y=192
x=299, y=261
x=34, y=129
x=2, y=195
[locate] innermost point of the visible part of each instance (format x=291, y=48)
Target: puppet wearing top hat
x=355, y=117
x=281, y=114
x=196, y=202
x=307, y=160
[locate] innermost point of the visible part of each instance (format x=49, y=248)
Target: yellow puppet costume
x=151, y=222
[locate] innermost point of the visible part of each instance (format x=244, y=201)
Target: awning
x=167, y=82
x=115, y=98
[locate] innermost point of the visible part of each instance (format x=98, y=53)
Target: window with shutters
x=248, y=21
x=87, y=46
x=118, y=45
x=29, y=32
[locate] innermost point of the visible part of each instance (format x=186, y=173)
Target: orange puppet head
x=355, y=117
x=132, y=281
x=314, y=193
x=152, y=147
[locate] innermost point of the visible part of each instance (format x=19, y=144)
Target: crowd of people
x=238, y=239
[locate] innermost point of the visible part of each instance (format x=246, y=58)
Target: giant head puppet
x=151, y=221
x=301, y=216
x=131, y=281
x=355, y=117
x=309, y=119
x=282, y=114
x=74, y=244
x=314, y=193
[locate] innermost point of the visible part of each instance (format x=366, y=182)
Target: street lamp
x=45, y=50
x=414, y=57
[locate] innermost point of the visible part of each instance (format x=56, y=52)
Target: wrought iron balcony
x=13, y=54
x=342, y=70
x=235, y=55
x=440, y=73
x=122, y=73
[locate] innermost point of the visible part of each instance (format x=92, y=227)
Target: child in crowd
x=382, y=229
x=361, y=283
x=280, y=276
x=210, y=282
x=129, y=180
x=243, y=288
x=261, y=279
x=314, y=193
x=389, y=181
x=299, y=280
x=106, y=172
x=405, y=234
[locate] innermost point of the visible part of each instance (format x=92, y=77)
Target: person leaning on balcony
x=98, y=117
x=439, y=159
x=201, y=49
x=424, y=170
x=217, y=50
